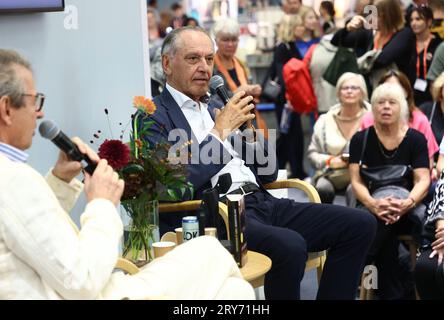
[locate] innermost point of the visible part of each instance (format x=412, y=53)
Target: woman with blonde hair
x=290, y=144
x=416, y=120
x=329, y=145
x=399, y=154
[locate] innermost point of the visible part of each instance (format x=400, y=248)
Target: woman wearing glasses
x=231, y=69
x=328, y=149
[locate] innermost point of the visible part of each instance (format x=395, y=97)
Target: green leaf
x=172, y=193
x=133, y=168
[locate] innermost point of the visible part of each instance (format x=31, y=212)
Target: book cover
x=236, y=220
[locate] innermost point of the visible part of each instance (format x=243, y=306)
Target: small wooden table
x=255, y=269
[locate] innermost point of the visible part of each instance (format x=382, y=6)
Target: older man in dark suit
x=279, y=228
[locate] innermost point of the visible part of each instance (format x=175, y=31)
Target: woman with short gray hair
x=328, y=150
x=234, y=72
x=392, y=146
x=226, y=27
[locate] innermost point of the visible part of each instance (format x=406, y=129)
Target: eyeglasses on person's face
x=229, y=39
x=39, y=100
x=353, y=88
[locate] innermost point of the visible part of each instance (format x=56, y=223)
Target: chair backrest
x=280, y=193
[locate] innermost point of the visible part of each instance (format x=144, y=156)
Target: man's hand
x=233, y=115
x=66, y=169
x=104, y=184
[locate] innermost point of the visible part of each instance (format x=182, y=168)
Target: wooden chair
x=315, y=259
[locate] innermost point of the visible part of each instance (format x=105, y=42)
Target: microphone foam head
x=216, y=82
x=48, y=129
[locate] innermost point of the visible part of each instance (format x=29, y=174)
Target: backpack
x=298, y=86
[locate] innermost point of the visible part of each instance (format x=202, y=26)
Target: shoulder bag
x=384, y=175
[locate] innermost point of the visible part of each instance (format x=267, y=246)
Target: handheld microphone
x=217, y=85
x=49, y=130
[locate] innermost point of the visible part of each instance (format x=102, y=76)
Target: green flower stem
x=136, y=136
x=141, y=232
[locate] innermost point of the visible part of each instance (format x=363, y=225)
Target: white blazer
x=44, y=256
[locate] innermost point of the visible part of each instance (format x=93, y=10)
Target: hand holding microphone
x=101, y=182
x=72, y=150
x=235, y=114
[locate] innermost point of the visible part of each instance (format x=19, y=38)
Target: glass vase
x=142, y=231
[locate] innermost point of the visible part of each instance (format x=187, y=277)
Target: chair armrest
x=193, y=205
x=311, y=191
x=126, y=266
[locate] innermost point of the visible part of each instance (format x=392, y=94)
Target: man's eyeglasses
x=39, y=100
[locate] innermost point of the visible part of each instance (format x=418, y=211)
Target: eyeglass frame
x=234, y=39
x=38, y=97
x=353, y=88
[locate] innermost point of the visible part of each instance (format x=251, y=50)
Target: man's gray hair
x=170, y=44
x=393, y=91
x=10, y=84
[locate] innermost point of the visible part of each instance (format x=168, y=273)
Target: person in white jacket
x=42, y=253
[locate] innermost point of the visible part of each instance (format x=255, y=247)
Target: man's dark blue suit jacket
x=169, y=116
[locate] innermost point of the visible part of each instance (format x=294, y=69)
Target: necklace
x=387, y=156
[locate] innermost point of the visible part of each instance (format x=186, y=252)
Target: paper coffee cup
x=162, y=247
x=211, y=232
x=179, y=235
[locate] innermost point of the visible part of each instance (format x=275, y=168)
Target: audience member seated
x=388, y=143
x=44, y=256
x=417, y=120
x=230, y=68
x=429, y=272
x=329, y=145
x=282, y=229
x=434, y=110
